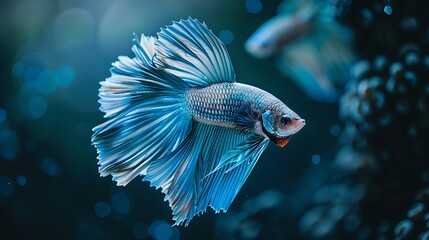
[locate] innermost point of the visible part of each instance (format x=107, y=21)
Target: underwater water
x=358, y=73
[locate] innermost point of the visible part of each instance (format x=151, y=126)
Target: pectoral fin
x=221, y=185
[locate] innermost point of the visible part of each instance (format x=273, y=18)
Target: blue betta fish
x=309, y=47
x=176, y=116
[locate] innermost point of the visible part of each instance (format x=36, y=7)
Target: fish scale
x=220, y=103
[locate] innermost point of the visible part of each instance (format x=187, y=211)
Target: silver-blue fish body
x=221, y=104
x=226, y=104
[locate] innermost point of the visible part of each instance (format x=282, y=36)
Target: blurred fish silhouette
x=309, y=46
x=176, y=115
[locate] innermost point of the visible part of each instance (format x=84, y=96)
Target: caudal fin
x=145, y=111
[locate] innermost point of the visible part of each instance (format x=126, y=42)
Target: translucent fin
x=221, y=186
x=181, y=173
x=189, y=50
x=133, y=76
x=308, y=74
x=146, y=115
x=316, y=71
x=319, y=62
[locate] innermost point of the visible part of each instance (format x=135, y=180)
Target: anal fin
x=181, y=174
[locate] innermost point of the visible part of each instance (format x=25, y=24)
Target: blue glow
x=315, y=159
x=21, y=180
x=335, y=130
x=102, y=209
x=388, y=10
x=226, y=36
x=6, y=186
x=47, y=81
x=140, y=231
x=3, y=115
x=37, y=106
x=50, y=167
x=160, y=230
x=120, y=203
x=66, y=76
x=253, y=6
x=18, y=69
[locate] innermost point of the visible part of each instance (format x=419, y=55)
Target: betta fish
x=309, y=47
x=176, y=115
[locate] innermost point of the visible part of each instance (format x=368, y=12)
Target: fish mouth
x=281, y=142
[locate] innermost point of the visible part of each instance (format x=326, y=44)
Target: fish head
x=279, y=31
x=261, y=45
x=269, y=38
x=279, y=123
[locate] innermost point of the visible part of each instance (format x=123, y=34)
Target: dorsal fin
x=189, y=50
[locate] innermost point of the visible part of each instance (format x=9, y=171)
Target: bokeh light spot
x=73, y=29
x=140, y=231
x=31, y=75
x=253, y=6
x=121, y=203
x=315, y=159
x=102, y=209
x=251, y=229
x=335, y=130
x=37, y=106
x=226, y=36
x=388, y=10
x=47, y=81
x=161, y=230
x=50, y=167
x=66, y=76
x=21, y=180
x=6, y=186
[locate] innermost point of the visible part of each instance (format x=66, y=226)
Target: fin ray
x=181, y=174
x=146, y=115
x=189, y=50
x=221, y=185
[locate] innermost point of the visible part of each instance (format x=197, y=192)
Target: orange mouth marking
x=281, y=142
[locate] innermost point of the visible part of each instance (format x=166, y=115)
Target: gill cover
x=268, y=123
x=268, y=127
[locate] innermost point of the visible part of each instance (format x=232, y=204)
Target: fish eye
x=286, y=121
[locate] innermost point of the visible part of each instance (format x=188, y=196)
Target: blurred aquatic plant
x=308, y=45
x=385, y=115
